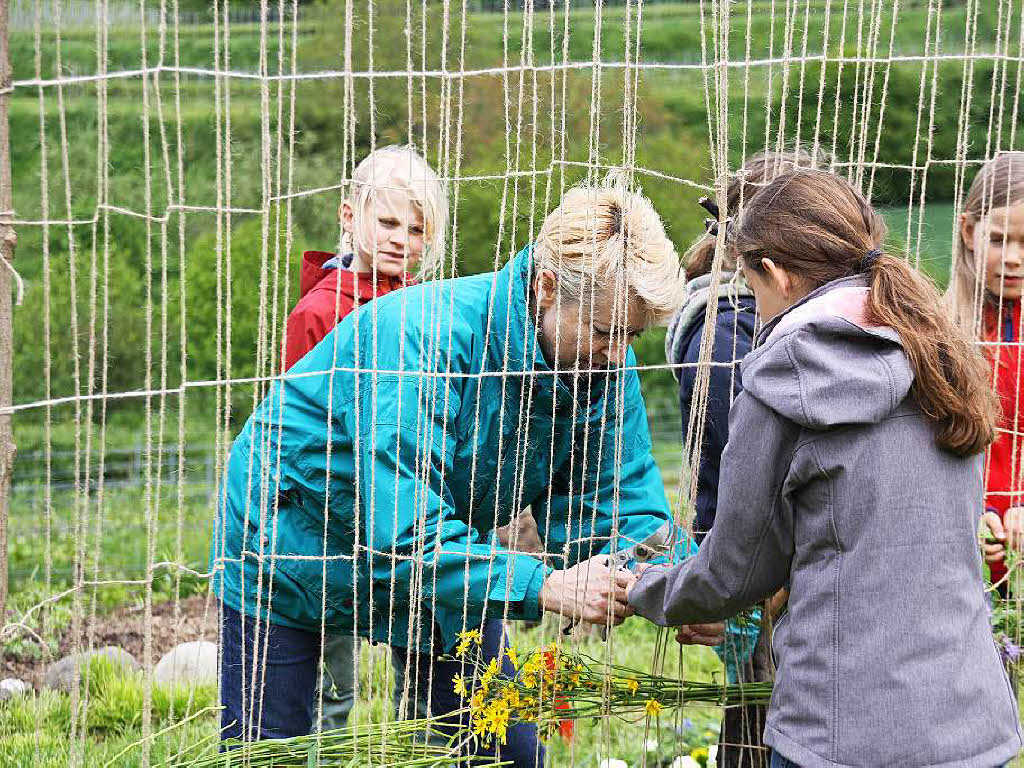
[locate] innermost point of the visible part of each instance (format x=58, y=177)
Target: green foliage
x=903, y=140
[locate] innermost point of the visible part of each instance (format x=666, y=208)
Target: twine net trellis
x=168, y=165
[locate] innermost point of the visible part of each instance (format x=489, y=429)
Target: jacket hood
x=698, y=294
x=313, y=271
x=822, y=364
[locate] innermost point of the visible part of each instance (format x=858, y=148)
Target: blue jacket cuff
x=531, y=599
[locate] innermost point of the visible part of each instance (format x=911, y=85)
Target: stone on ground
x=61, y=674
x=12, y=687
x=188, y=663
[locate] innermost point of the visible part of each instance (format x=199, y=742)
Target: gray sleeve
x=747, y=555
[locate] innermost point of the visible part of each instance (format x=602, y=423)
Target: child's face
x=998, y=243
x=390, y=233
x=774, y=289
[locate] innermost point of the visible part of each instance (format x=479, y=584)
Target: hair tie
x=867, y=261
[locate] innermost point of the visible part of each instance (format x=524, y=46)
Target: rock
x=12, y=687
x=61, y=674
x=194, y=662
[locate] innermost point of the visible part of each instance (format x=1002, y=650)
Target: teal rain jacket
x=366, y=487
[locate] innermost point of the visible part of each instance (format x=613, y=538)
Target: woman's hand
x=701, y=634
x=590, y=591
x=993, y=547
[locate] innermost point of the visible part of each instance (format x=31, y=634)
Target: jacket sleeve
x=414, y=535
x=748, y=553
x=612, y=496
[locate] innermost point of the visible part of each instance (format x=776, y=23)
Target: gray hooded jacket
x=832, y=480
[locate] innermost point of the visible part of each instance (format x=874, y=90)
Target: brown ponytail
x=817, y=227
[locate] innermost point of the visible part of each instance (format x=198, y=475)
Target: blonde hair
x=607, y=237
x=999, y=183
x=402, y=168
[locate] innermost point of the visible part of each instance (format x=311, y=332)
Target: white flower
x=651, y=745
x=611, y=762
x=713, y=754
x=685, y=761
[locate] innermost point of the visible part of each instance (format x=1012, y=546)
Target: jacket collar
x=355, y=285
x=852, y=281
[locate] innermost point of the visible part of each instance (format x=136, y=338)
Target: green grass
x=34, y=730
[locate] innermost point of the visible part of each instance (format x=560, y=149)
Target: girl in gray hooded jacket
x=853, y=473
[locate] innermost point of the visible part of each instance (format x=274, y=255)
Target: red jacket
x=1002, y=469
x=325, y=297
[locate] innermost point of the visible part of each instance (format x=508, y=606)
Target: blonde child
x=393, y=225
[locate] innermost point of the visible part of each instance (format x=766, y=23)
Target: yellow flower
x=477, y=701
x=574, y=678
x=700, y=754
x=466, y=639
x=497, y=719
x=511, y=695
x=530, y=680
x=652, y=708
x=490, y=673
x=513, y=657
x=632, y=685
x=535, y=663
x=479, y=725
x=460, y=686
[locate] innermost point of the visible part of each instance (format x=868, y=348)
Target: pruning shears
x=655, y=545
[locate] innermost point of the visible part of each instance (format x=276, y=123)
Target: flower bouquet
x=583, y=687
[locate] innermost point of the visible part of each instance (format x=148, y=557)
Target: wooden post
x=8, y=240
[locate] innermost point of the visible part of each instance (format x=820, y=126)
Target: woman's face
x=998, y=244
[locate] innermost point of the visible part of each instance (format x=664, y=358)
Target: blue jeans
x=277, y=701
x=431, y=691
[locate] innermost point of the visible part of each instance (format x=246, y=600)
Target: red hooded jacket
x=1002, y=468
x=325, y=297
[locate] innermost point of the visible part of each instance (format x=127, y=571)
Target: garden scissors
x=655, y=545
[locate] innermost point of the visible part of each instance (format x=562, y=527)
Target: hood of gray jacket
x=698, y=294
x=822, y=364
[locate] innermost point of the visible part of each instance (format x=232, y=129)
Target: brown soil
x=126, y=628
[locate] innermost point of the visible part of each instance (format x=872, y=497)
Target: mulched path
x=126, y=628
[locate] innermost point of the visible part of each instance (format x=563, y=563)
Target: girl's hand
x=701, y=634
x=1013, y=527
x=993, y=546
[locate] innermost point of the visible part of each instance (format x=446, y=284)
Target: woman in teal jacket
x=363, y=494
